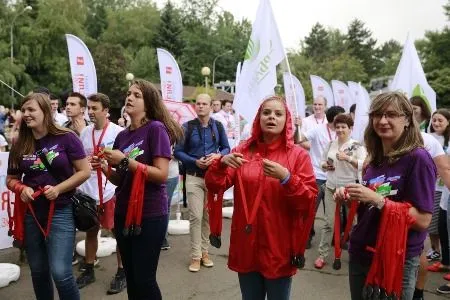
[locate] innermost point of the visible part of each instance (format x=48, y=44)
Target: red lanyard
x=329, y=133
x=250, y=219
x=99, y=170
x=51, y=212
x=323, y=120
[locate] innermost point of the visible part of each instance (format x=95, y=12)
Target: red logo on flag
x=80, y=60
x=320, y=88
x=341, y=91
x=168, y=70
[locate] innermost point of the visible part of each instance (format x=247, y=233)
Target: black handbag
x=84, y=206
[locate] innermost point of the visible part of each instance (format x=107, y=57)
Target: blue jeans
x=255, y=287
x=140, y=256
x=357, y=275
x=52, y=258
x=171, y=186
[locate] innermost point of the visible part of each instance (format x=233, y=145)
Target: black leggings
x=443, y=237
x=140, y=256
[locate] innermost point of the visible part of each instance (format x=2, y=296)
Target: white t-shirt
x=311, y=122
x=344, y=172
x=434, y=145
x=173, y=168
x=3, y=142
x=219, y=117
x=60, y=119
x=90, y=186
x=319, y=136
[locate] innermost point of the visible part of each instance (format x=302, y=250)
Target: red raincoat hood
x=287, y=133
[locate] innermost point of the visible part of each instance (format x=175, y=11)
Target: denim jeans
x=140, y=256
x=52, y=258
x=171, y=186
x=255, y=287
x=357, y=275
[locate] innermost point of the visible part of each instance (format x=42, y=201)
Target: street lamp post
x=129, y=77
x=206, y=72
x=11, y=35
x=214, y=64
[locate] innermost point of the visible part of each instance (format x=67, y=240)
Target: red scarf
x=133, y=219
x=386, y=271
x=337, y=227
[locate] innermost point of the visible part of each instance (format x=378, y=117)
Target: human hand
x=202, y=163
x=210, y=158
x=27, y=194
x=95, y=162
x=234, y=160
x=358, y=192
x=113, y=157
x=342, y=156
x=298, y=121
x=274, y=169
x=51, y=192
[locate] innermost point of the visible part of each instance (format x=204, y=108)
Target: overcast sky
x=388, y=19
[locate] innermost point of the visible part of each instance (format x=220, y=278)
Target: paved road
x=176, y=282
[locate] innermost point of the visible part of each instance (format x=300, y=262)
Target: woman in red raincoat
x=274, y=197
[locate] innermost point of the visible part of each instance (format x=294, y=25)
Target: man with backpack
x=205, y=140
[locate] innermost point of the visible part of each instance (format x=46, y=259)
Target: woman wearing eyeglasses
x=399, y=171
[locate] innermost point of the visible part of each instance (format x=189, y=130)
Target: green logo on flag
x=252, y=50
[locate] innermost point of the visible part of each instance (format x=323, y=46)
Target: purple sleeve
x=422, y=180
x=74, y=147
x=159, y=141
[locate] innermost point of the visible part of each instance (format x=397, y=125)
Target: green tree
x=111, y=70
x=361, y=45
x=170, y=31
x=144, y=64
x=317, y=43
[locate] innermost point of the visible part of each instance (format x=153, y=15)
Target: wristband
x=285, y=180
x=123, y=165
x=380, y=204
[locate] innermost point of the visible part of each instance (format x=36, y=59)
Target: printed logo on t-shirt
x=133, y=150
x=39, y=165
x=382, y=185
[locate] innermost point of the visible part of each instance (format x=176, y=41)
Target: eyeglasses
x=389, y=115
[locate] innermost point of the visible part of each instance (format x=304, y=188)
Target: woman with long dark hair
x=140, y=156
x=48, y=225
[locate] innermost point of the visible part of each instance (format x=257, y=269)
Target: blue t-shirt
x=143, y=145
x=61, y=151
x=410, y=179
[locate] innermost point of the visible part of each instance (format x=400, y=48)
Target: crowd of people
x=288, y=173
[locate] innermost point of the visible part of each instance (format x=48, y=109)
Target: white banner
x=82, y=68
x=6, y=195
x=410, y=73
x=295, y=95
x=321, y=88
x=237, y=115
x=361, y=113
x=342, y=95
x=265, y=51
x=170, y=76
x=354, y=91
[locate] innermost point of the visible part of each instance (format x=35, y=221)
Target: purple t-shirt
x=412, y=178
x=61, y=151
x=143, y=145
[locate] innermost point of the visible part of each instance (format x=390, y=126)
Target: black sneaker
x=86, y=278
x=118, y=284
x=443, y=289
x=82, y=266
x=433, y=256
x=165, y=245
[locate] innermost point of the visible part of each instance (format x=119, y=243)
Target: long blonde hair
x=408, y=141
x=26, y=144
